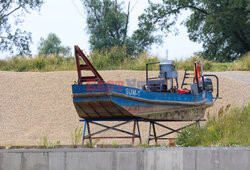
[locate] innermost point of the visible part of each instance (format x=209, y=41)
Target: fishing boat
x=159, y=99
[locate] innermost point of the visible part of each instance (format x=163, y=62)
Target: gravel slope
x=33, y=105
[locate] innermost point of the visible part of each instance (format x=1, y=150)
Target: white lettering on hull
x=132, y=92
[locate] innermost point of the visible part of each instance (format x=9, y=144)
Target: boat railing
x=217, y=85
x=147, y=70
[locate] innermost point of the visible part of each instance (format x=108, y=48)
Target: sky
x=67, y=20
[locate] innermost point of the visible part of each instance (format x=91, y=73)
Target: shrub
x=231, y=128
x=115, y=58
x=118, y=58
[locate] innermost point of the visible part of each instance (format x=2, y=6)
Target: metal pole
x=197, y=123
x=146, y=74
x=138, y=128
x=196, y=75
x=183, y=80
x=154, y=133
x=149, y=133
x=177, y=85
x=90, y=140
x=133, y=135
x=84, y=131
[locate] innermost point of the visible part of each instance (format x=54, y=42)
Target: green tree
x=144, y=37
x=15, y=39
x=248, y=9
x=222, y=26
x=52, y=45
x=107, y=24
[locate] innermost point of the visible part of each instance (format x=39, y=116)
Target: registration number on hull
x=132, y=92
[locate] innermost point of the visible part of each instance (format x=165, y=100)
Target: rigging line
x=77, y=9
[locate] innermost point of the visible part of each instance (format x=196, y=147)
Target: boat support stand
x=120, y=122
x=154, y=136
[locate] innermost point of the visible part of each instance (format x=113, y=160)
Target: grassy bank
x=242, y=64
x=231, y=128
x=39, y=63
x=115, y=59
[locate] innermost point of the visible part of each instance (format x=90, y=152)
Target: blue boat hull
x=108, y=101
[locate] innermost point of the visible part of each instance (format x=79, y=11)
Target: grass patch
x=114, y=59
x=118, y=59
x=76, y=136
x=39, y=63
x=231, y=128
x=243, y=64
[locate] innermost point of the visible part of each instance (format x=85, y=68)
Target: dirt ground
x=38, y=104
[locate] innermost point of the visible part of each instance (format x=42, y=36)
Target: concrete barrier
x=220, y=158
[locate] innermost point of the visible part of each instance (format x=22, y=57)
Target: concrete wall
x=127, y=159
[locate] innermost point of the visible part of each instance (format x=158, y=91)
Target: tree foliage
x=11, y=10
x=222, y=26
x=248, y=9
x=107, y=24
x=52, y=45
